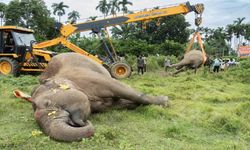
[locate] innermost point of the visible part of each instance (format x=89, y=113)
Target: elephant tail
x=56, y=124
x=21, y=95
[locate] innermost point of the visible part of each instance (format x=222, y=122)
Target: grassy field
x=208, y=111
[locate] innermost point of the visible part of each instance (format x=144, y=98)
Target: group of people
x=141, y=64
x=220, y=64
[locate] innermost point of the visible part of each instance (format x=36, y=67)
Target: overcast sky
x=217, y=12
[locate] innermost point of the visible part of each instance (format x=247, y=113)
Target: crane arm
x=77, y=49
x=97, y=25
x=48, y=43
x=66, y=43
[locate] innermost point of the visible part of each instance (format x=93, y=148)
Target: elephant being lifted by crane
x=192, y=59
x=71, y=88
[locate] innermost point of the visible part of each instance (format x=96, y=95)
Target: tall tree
x=2, y=11
x=169, y=28
x=124, y=31
x=239, y=29
x=247, y=34
x=73, y=16
x=33, y=14
x=103, y=7
x=59, y=9
x=229, y=33
x=218, y=42
x=124, y=4
x=114, y=7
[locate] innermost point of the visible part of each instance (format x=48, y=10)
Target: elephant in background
x=71, y=88
x=192, y=59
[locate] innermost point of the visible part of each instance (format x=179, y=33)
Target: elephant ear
x=47, y=103
x=42, y=104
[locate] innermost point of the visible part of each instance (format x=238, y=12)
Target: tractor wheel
x=120, y=70
x=9, y=66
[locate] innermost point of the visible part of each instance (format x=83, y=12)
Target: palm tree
x=124, y=7
x=207, y=31
x=73, y=16
x=114, y=7
x=238, y=26
x=124, y=31
x=59, y=9
x=92, y=18
x=229, y=33
x=239, y=29
x=247, y=34
x=103, y=7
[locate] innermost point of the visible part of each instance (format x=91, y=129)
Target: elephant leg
x=180, y=64
x=119, y=90
x=195, y=70
x=127, y=104
x=102, y=105
x=180, y=70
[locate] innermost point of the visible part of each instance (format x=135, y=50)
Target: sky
x=217, y=12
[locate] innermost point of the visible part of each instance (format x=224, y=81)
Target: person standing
x=145, y=63
x=216, y=65
x=140, y=65
x=167, y=63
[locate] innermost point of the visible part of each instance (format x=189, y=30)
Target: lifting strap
x=199, y=40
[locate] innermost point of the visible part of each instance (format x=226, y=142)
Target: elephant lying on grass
x=193, y=59
x=74, y=86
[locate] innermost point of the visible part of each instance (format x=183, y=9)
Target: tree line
x=167, y=35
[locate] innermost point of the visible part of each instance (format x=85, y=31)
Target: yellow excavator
x=16, y=54
x=32, y=57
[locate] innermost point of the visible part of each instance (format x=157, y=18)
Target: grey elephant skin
x=71, y=88
x=192, y=59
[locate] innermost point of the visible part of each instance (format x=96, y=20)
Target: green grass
x=208, y=111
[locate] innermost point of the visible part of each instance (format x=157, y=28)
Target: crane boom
x=97, y=25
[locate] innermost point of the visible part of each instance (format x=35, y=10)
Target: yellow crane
x=117, y=69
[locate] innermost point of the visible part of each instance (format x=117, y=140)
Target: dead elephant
x=193, y=59
x=74, y=86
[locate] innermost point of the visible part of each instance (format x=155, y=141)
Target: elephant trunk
x=55, y=123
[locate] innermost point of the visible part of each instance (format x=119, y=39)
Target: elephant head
x=61, y=110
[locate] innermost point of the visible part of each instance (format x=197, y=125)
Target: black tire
x=120, y=70
x=9, y=62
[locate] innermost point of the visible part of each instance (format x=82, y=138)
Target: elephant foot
x=163, y=101
x=159, y=100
